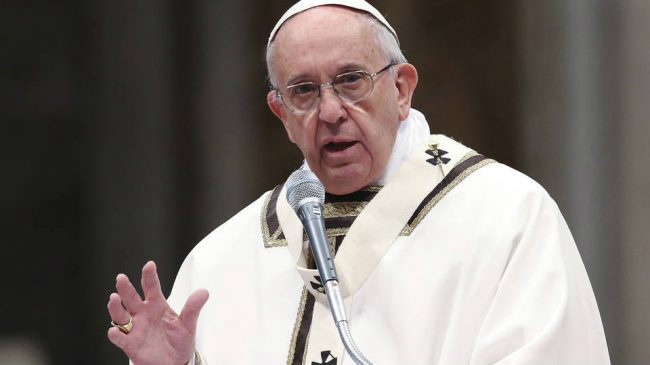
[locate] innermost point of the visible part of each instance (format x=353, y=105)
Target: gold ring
x=124, y=328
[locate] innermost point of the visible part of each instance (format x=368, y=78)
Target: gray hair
x=386, y=41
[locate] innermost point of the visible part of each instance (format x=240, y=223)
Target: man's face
x=346, y=145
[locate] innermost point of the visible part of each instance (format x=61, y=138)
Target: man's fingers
x=117, y=312
x=150, y=282
x=190, y=313
x=117, y=338
x=129, y=296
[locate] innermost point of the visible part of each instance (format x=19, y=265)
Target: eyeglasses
x=352, y=87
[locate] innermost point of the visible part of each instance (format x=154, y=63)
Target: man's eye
x=349, y=78
x=302, y=89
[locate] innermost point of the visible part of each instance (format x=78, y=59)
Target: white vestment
x=483, y=270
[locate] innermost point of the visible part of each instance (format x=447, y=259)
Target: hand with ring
x=150, y=332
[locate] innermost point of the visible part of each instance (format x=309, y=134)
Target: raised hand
x=159, y=336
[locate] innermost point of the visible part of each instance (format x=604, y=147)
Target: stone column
x=634, y=123
x=571, y=140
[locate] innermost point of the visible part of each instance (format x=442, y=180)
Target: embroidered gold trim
x=276, y=243
x=270, y=240
x=332, y=210
x=304, y=354
x=466, y=157
x=263, y=223
x=275, y=239
x=408, y=229
x=266, y=235
x=347, y=209
x=296, y=326
x=353, y=209
x=373, y=188
x=335, y=232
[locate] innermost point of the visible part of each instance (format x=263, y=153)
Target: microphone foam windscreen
x=304, y=184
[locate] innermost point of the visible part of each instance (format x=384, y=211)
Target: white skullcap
x=303, y=5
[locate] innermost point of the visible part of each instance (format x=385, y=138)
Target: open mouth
x=339, y=146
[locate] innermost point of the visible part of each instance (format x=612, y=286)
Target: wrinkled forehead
x=326, y=39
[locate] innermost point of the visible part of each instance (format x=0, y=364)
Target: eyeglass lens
x=350, y=86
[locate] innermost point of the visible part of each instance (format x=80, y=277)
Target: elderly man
x=444, y=256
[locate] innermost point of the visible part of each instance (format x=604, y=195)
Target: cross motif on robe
x=437, y=155
x=318, y=286
x=326, y=359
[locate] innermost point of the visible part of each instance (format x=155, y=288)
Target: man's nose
x=330, y=108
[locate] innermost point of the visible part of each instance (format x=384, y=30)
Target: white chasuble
x=455, y=260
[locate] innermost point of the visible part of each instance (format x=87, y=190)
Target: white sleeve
x=544, y=311
x=182, y=287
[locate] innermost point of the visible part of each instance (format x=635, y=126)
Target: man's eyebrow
x=298, y=79
x=351, y=67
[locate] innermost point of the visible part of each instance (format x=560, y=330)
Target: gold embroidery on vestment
x=330, y=210
x=335, y=232
x=344, y=209
x=296, y=326
x=408, y=229
x=264, y=224
x=270, y=239
x=197, y=358
x=373, y=188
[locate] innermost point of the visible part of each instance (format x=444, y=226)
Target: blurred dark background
x=131, y=129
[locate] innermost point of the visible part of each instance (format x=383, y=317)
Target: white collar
x=412, y=134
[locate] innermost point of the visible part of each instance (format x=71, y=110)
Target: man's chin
x=341, y=184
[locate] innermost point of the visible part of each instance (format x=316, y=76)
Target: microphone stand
x=310, y=213
x=338, y=312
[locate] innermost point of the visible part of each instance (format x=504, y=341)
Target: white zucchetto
x=303, y=5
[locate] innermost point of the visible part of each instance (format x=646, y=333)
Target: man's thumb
x=190, y=313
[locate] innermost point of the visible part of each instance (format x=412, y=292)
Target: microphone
x=306, y=195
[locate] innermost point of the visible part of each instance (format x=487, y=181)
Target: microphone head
x=304, y=184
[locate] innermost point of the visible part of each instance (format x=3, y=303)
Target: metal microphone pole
x=306, y=195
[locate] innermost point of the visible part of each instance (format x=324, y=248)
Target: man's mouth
x=339, y=146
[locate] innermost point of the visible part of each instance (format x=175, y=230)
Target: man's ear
x=406, y=80
x=276, y=107
x=274, y=104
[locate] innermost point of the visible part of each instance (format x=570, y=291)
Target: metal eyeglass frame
x=332, y=83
